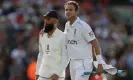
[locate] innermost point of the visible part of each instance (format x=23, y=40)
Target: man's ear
x=78, y=11
x=55, y=21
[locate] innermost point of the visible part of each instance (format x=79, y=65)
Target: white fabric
x=52, y=58
x=104, y=76
x=99, y=59
x=42, y=78
x=78, y=66
x=79, y=34
x=108, y=68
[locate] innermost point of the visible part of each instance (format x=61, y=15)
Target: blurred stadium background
x=21, y=21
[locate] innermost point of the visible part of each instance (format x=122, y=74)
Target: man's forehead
x=48, y=18
x=69, y=6
x=51, y=19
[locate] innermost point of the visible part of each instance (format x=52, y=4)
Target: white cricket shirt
x=79, y=34
x=52, y=58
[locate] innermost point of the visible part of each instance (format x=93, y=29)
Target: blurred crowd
x=21, y=21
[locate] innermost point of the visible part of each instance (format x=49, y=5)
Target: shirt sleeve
x=64, y=56
x=88, y=34
x=39, y=58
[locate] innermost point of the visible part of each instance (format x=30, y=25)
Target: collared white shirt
x=52, y=58
x=79, y=34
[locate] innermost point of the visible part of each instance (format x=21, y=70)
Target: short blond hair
x=74, y=3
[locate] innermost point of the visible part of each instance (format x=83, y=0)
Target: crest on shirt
x=47, y=49
x=75, y=32
x=91, y=34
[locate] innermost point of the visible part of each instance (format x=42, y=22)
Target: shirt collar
x=77, y=20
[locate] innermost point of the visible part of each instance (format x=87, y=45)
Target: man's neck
x=72, y=20
x=51, y=32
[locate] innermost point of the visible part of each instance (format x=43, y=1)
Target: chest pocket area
x=56, y=48
x=77, y=35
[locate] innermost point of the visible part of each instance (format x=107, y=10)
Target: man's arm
x=64, y=60
x=64, y=56
x=39, y=59
x=94, y=54
x=97, y=54
x=96, y=46
x=97, y=51
x=90, y=38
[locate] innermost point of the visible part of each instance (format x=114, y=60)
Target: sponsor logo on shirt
x=72, y=42
x=91, y=34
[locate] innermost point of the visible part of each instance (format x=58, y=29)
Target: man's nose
x=67, y=12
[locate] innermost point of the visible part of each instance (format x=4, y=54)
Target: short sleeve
x=88, y=34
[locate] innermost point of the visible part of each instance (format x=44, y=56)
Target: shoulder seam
x=80, y=23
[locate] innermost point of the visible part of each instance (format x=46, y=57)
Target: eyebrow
x=69, y=9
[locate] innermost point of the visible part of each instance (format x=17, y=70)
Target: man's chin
x=68, y=18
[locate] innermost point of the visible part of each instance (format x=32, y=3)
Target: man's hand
x=37, y=76
x=99, y=69
x=54, y=77
x=41, y=32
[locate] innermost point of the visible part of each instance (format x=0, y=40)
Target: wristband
x=99, y=59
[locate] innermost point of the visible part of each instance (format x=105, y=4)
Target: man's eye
x=48, y=18
x=70, y=9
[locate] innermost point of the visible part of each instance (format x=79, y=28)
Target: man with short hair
x=80, y=40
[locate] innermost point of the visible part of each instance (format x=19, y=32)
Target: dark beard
x=48, y=28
